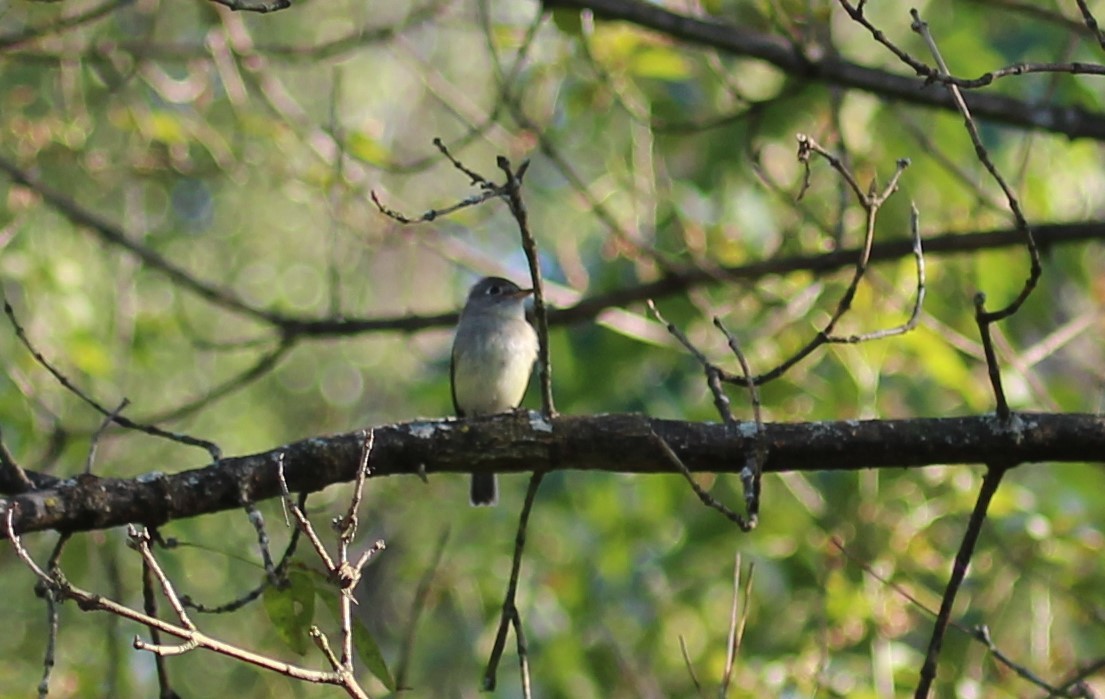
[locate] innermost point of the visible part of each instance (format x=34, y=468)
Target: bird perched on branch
x=493, y=354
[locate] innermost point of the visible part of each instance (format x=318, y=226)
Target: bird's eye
x=494, y=290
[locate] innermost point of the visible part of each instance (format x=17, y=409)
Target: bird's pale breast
x=491, y=373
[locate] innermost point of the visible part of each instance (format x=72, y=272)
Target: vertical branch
x=149, y=606
x=418, y=604
x=992, y=367
x=48, y=660
x=513, y=195
x=509, y=614
x=990, y=484
x=752, y=473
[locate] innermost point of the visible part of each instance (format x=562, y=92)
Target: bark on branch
x=525, y=442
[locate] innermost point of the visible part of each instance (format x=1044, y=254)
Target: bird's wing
x=453, y=382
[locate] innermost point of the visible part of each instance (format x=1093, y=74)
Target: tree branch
x=524, y=442
x=1070, y=120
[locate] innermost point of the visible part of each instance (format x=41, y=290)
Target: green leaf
x=568, y=21
x=364, y=645
x=292, y=610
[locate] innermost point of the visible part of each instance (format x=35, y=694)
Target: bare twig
x=29, y=34
x=509, y=613
x=978, y=633
x=918, y=298
x=1035, y=269
x=149, y=606
x=276, y=578
x=990, y=484
x=1091, y=22
x=689, y=666
x=113, y=234
x=211, y=447
x=707, y=499
x=523, y=654
x=752, y=474
x=91, y=459
x=871, y=201
x=185, y=631
x=418, y=605
x=52, y=619
x=257, y=520
x=736, y=623
x=993, y=369
x=13, y=476
x=513, y=195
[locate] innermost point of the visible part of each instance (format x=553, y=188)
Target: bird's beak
x=521, y=293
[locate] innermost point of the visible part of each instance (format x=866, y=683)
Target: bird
x=494, y=349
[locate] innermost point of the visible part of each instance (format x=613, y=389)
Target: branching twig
x=752, y=473
x=509, y=614
x=185, y=631
x=211, y=447
x=91, y=459
x=978, y=633
x=276, y=578
x=871, y=201
x=707, y=499
x=921, y=27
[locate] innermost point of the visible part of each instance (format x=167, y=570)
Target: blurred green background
x=242, y=148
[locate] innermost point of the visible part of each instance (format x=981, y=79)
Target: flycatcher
x=493, y=354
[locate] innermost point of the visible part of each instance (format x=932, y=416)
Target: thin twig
x=1091, y=22
x=418, y=605
x=523, y=654
x=15, y=478
x=990, y=483
x=978, y=633
x=993, y=369
x=277, y=578
x=91, y=458
x=689, y=666
x=512, y=193
x=871, y=201
x=752, y=474
x=1035, y=269
x=211, y=447
x=707, y=499
x=509, y=608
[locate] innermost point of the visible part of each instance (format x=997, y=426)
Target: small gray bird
x=493, y=354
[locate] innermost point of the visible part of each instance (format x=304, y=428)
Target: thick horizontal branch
x=1071, y=121
x=526, y=442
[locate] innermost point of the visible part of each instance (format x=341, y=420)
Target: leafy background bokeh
x=213, y=139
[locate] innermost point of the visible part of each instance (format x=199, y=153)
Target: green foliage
x=291, y=609
x=211, y=140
